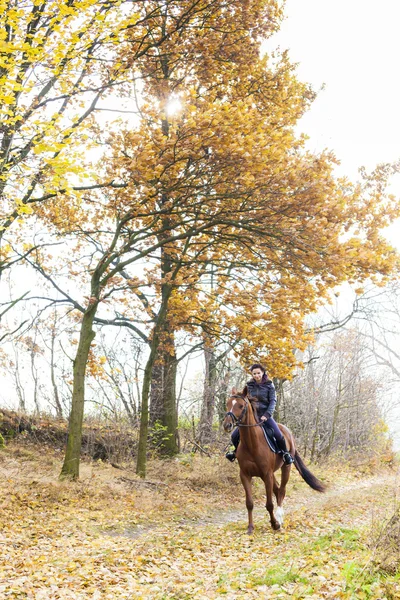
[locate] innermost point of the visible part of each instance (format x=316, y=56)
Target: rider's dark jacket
x=265, y=394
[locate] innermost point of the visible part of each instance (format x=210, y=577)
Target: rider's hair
x=257, y=366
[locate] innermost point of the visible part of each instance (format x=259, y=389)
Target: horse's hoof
x=276, y=526
x=250, y=530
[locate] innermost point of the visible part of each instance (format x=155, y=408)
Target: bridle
x=238, y=420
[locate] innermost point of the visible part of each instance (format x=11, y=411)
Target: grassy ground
x=181, y=534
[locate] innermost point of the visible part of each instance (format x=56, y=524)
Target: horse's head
x=236, y=407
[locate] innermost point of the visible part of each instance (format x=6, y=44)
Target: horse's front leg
x=269, y=484
x=277, y=494
x=280, y=492
x=246, y=482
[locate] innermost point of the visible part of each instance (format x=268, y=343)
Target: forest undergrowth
x=181, y=533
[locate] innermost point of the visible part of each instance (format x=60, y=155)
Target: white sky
x=353, y=48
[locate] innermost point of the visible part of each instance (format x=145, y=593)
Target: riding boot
x=235, y=437
x=287, y=457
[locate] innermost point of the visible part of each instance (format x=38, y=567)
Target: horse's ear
x=244, y=392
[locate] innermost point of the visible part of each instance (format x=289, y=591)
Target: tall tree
x=224, y=181
x=143, y=226
x=267, y=165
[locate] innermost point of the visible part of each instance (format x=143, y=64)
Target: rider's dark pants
x=269, y=423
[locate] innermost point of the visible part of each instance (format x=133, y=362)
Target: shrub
x=387, y=544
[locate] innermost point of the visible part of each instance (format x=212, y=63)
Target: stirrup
x=287, y=458
x=230, y=456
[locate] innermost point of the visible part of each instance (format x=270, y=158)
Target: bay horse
x=256, y=459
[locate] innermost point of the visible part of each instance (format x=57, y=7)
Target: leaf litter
x=102, y=539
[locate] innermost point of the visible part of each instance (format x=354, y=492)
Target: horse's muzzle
x=227, y=424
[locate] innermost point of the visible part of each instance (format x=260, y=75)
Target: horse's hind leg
x=246, y=482
x=269, y=487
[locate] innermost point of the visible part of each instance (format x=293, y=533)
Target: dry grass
x=187, y=487
x=207, y=484
x=196, y=472
x=387, y=544
x=177, y=533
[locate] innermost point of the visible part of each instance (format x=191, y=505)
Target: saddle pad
x=271, y=441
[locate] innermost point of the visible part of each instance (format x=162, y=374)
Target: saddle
x=271, y=440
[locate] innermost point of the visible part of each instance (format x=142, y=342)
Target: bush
x=157, y=437
x=387, y=544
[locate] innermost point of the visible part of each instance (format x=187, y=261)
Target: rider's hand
x=264, y=418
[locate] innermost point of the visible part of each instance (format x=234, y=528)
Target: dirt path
x=303, y=499
x=319, y=553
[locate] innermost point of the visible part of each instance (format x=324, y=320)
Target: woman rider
x=262, y=388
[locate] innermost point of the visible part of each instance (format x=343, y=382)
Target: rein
x=237, y=420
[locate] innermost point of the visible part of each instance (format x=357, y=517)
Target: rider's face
x=257, y=375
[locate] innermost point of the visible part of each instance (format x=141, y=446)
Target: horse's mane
x=253, y=401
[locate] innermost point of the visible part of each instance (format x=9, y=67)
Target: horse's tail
x=306, y=474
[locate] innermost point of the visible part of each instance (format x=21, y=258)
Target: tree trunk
x=170, y=444
x=157, y=392
x=144, y=418
x=332, y=435
x=163, y=404
x=126, y=404
x=163, y=376
x=141, y=462
x=164, y=367
x=222, y=395
x=280, y=400
x=58, y=406
x=70, y=468
x=35, y=375
x=208, y=406
x=336, y=411
x=316, y=433
x=18, y=386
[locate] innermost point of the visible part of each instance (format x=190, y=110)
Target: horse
x=256, y=459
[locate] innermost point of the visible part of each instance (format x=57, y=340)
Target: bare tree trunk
x=125, y=403
x=337, y=408
x=33, y=352
x=70, y=467
x=19, y=387
x=313, y=395
x=328, y=448
x=280, y=397
x=138, y=408
x=316, y=433
x=170, y=445
x=208, y=405
x=157, y=391
x=57, y=402
x=141, y=463
x=222, y=395
x=163, y=402
x=110, y=406
x=127, y=406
